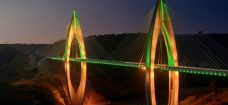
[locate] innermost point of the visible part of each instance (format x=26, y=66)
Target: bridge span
x=141, y=66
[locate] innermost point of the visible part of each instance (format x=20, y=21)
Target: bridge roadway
x=181, y=69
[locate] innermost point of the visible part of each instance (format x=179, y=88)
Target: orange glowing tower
x=76, y=96
x=161, y=22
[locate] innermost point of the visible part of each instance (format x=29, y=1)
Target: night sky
x=44, y=21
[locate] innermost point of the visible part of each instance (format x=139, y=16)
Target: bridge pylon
x=161, y=22
x=76, y=96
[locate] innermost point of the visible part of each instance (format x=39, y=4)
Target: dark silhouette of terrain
x=29, y=79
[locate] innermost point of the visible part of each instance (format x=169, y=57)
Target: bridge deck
x=104, y=62
x=181, y=69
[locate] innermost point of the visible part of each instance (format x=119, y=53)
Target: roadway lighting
x=143, y=68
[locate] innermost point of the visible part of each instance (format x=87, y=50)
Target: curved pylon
x=161, y=22
x=76, y=96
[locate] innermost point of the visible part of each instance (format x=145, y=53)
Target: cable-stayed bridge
x=181, y=69
x=153, y=55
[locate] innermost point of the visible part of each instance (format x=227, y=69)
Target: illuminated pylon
x=161, y=22
x=76, y=96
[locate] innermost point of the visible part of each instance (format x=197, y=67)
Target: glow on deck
x=181, y=69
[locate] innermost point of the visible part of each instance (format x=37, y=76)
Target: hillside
x=26, y=66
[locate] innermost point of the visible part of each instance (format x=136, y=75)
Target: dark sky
x=44, y=21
